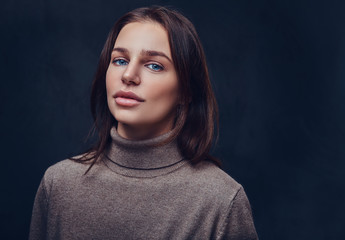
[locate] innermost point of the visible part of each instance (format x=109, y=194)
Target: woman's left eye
x=155, y=67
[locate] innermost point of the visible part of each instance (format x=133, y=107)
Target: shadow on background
x=278, y=72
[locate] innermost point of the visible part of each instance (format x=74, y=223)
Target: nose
x=131, y=75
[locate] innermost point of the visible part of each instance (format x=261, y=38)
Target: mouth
x=127, y=99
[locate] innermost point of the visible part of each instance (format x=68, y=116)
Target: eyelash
x=151, y=66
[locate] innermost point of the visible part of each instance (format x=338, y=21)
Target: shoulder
x=228, y=196
x=212, y=181
x=63, y=172
x=65, y=168
x=210, y=174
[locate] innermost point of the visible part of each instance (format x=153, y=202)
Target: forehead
x=137, y=36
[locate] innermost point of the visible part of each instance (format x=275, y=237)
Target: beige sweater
x=140, y=192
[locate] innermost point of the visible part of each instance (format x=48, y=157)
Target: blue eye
x=120, y=62
x=154, y=67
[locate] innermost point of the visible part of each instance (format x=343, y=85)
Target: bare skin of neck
x=142, y=132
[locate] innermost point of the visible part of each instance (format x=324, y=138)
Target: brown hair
x=197, y=116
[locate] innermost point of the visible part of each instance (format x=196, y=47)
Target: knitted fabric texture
x=140, y=191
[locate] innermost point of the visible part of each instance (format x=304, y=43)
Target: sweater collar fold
x=142, y=158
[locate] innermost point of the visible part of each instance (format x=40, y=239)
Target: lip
x=127, y=99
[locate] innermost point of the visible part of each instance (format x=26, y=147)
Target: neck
x=142, y=132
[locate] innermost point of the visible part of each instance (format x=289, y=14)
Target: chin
x=128, y=121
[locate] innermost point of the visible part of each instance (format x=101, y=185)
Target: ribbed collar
x=142, y=158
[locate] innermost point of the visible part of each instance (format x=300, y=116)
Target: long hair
x=196, y=117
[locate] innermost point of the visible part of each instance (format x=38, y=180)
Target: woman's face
x=141, y=81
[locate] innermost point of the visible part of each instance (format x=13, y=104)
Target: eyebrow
x=153, y=53
x=121, y=50
x=143, y=52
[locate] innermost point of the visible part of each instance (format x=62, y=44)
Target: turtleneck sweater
x=140, y=190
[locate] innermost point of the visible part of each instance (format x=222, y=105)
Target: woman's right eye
x=120, y=62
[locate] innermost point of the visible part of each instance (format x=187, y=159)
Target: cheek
x=110, y=85
x=165, y=96
x=110, y=82
x=107, y=80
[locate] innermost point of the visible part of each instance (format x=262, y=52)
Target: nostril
x=129, y=81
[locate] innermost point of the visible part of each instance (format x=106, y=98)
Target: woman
x=150, y=176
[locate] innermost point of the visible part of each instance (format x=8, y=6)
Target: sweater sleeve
x=38, y=225
x=239, y=223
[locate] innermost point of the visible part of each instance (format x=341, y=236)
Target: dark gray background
x=278, y=70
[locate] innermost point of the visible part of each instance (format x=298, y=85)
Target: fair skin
x=141, y=81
